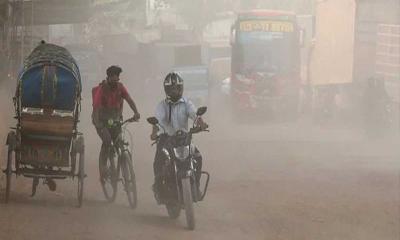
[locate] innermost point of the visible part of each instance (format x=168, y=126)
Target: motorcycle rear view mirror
x=201, y=111
x=152, y=120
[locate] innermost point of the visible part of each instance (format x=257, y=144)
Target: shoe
x=51, y=184
x=35, y=183
x=156, y=193
x=199, y=194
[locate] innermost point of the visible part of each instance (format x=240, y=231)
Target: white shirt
x=180, y=112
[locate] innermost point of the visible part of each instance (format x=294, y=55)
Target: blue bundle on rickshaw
x=50, y=79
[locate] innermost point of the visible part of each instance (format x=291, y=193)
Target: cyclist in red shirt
x=108, y=98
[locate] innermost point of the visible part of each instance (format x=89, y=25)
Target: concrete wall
x=370, y=14
x=332, y=55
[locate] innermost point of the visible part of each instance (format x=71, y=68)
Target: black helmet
x=173, y=86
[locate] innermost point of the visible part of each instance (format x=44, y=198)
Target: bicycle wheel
x=129, y=179
x=108, y=178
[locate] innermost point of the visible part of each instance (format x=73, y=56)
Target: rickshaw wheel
x=81, y=174
x=8, y=173
x=81, y=178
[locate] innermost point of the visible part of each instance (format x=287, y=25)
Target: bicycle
x=110, y=170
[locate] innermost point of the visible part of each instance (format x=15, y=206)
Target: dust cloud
x=321, y=163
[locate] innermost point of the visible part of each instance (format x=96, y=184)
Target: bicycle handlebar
x=119, y=123
x=132, y=119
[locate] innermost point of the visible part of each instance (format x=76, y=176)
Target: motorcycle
x=178, y=188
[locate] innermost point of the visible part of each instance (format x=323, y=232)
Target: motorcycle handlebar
x=191, y=131
x=197, y=130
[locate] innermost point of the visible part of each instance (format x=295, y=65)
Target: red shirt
x=106, y=98
x=109, y=101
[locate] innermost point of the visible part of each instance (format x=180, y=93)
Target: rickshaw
x=46, y=143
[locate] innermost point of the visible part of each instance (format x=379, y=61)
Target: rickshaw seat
x=47, y=122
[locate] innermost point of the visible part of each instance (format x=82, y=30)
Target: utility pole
x=21, y=8
x=32, y=18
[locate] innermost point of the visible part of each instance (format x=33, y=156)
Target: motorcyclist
x=108, y=98
x=376, y=105
x=173, y=114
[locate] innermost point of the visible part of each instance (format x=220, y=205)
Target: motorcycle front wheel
x=188, y=203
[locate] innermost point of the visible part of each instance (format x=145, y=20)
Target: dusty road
x=269, y=181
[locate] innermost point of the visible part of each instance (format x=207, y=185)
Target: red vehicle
x=265, y=66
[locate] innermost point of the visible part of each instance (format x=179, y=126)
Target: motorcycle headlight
x=182, y=152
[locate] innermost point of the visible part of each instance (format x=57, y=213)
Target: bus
x=265, y=62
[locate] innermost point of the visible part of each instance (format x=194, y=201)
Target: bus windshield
x=266, y=46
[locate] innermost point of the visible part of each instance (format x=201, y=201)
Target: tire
x=129, y=179
x=108, y=179
x=188, y=203
x=81, y=178
x=8, y=174
x=174, y=210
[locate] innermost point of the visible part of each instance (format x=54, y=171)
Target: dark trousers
x=107, y=135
